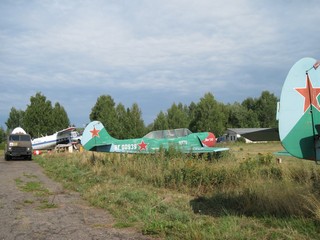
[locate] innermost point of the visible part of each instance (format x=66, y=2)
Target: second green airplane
x=96, y=138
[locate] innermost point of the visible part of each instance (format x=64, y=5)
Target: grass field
x=244, y=194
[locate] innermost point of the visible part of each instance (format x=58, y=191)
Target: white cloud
x=129, y=48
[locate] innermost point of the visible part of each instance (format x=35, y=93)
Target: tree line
x=41, y=117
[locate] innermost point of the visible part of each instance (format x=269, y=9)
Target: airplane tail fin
x=95, y=137
x=299, y=110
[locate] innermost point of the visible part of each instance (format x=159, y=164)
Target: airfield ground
x=32, y=206
x=245, y=195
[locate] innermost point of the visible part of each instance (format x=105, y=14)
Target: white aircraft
x=49, y=142
x=75, y=137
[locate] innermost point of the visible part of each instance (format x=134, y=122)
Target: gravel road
x=59, y=215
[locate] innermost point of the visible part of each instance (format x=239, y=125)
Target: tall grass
x=238, y=195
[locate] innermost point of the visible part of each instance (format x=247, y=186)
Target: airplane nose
x=210, y=140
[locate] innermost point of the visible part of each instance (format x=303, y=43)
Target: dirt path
x=58, y=215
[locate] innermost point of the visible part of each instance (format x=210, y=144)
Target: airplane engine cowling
x=210, y=140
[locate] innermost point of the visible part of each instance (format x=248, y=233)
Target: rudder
x=95, y=135
x=299, y=110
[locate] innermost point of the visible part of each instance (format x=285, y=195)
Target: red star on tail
x=310, y=95
x=95, y=132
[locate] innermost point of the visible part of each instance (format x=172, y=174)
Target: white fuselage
x=49, y=142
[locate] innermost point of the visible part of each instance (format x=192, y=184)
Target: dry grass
x=245, y=194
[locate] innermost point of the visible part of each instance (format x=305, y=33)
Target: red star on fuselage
x=95, y=132
x=310, y=95
x=142, y=145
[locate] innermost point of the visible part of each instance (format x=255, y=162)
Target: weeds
x=312, y=204
x=37, y=189
x=180, y=196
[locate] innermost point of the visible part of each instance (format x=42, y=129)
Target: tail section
x=96, y=138
x=299, y=110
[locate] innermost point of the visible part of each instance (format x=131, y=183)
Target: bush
x=241, y=140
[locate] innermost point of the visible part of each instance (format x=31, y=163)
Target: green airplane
x=299, y=110
x=96, y=138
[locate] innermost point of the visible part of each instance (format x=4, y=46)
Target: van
x=18, y=145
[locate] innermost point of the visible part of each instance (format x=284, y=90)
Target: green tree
x=122, y=119
x=250, y=103
x=60, y=118
x=236, y=114
x=161, y=122
x=38, y=119
x=209, y=115
x=266, y=108
x=136, y=127
x=15, y=119
x=178, y=116
x=41, y=118
x=251, y=120
x=191, y=110
x=105, y=112
x=2, y=135
x=241, y=117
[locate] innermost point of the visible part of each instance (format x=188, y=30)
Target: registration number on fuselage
x=183, y=142
x=125, y=147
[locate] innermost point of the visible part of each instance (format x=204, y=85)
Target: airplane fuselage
x=49, y=142
x=96, y=138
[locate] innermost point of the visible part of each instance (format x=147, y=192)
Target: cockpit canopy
x=173, y=133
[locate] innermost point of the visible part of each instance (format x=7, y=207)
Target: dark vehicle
x=18, y=145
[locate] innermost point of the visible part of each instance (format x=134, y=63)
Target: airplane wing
x=67, y=130
x=205, y=150
x=269, y=134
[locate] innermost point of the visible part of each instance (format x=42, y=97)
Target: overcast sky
x=149, y=52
